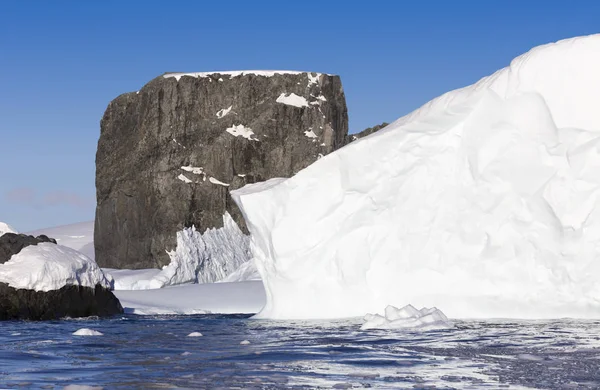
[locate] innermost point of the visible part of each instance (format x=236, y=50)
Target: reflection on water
x=155, y=352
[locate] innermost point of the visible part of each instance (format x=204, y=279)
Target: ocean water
x=155, y=352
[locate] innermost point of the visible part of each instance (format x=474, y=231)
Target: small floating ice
x=245, y=342
x=408, y=318
x=195, y=334
x=87, y=332
x=292, y=100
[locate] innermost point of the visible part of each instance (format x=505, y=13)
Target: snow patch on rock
x=485, y=201
x=292, y=100
x=313, y=80
x=236, y=73
x=242, y=131
x=310, y=134
x=194, y=170
x=222, y=112
x=47, y=266
x=184, y=178
x=408, y=318
x=218, y=182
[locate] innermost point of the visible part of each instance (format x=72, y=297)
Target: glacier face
x=198, y=258
x=482, y=202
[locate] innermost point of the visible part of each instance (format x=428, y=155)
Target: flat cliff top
x=236, y=73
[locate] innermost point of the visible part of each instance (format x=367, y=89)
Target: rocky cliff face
x=169, y=154
x=68, y=301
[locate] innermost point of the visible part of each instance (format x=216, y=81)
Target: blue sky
x=62, y=62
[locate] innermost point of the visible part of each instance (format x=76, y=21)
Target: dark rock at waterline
x=68, y=301
x=13, y=243
x=227, y=131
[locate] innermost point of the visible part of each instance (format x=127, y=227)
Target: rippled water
x=155, y=352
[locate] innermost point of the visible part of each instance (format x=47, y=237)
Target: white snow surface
x=310, y=134
x=224, y=111
x=217, y=181
x=184, y=178
x=292, y=100
x=485, y=201
x=408, y=318
x=194, y=170
x=127, y=279
x=6, y=228
x=246, y=271
x=87, y=332
x=199, y=258
x=78, y=236
x=236, y=73
x=47, y=266
x=242, y=131
x=219, y=298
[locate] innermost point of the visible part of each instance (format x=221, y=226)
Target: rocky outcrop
x=169, y=154
x=365, y=132
x=48, y=281
x=68, y=301
x=13, y=243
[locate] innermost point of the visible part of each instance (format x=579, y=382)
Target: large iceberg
x=483, y=202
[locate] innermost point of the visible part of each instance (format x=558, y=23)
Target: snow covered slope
x=221, y=298
x=79, y=236
x=6, y=228
x=483, y=202
x=48, y=266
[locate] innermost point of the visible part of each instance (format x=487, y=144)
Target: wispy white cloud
x=27, y=196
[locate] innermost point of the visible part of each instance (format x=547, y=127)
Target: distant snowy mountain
x=78, y=236
x=6, y=228
x=483, y=202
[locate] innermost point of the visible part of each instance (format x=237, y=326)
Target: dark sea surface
x=156, y=352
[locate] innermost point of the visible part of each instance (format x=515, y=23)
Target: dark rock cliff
x=68, y=301
x=169, y=154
